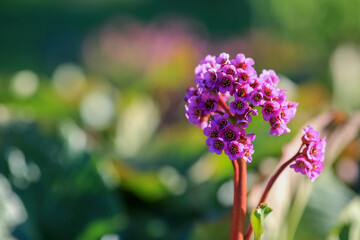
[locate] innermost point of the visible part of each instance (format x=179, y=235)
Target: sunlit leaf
x=257, y=219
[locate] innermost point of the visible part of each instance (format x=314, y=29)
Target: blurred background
x=94, y=143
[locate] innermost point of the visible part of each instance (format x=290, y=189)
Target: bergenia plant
x=228, y=93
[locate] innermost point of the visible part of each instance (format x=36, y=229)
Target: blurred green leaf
x=326, y=202
x=101, y=227
x=257, y=219
x=348, y=226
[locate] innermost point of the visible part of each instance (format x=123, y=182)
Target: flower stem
x=239, y=206
x=224, y=106
x=267, y=190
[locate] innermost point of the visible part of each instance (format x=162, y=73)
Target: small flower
x=315, y=151
x=269, y=90
x=216, y=145
x=278, y=128
x=242, y=91
x=189, y=93
x=230, y=133
x=223, y=58
x=210, y=78
x=270, y=76
x=208, y=103
x=256, y=98
x=238, y=106
x=241, y=62
x=229, y=70
x=246, y=139
x=212, y=130
x=301, y=165
x=222, y=120
x=246, y=76
x=310, y=135
x=225, y=83
x=270, y=109
x=315, y=170
x=286, y=114
x=256, y=85
x=193, y=111
x=248, y=152
x=234, y=150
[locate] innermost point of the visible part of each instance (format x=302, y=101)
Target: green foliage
x=257, y=218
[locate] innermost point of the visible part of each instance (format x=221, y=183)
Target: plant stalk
x=239, y=206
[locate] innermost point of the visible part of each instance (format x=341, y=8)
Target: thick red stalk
x=240, y=190
x=267, y=190
x=239, y=206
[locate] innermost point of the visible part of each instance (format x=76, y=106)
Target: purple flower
x=246, y=139
x=208, y=103
x=270, y=76
x=301, y=165
x=225, y=82
x=256, y=98
x=311, y=159
x=210, y=78
x=286, y=114
x=222, y=120
x=223, y=58
x=270, y=109
x=241, y=62
x=230, y=133
x=315, y=151
x=246, y=76
x=248, y=152
x=216, y=145
x=211, y=60
x=269, y=90
x=315, y=170
x=281, y=99
x=218, y=80
x=238, y=106
x=194, y=114
x=278, y=127
x=256, y=85
x=234, y=150
x=242, y=91
x=229, y=70
x=310, y=135
x=189, y=93
x=212, y=130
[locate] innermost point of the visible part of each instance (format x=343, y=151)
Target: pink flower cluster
x=310, y=161
x=228, y=92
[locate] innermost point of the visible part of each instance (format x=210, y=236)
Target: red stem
x=267, y=190
x=224, y=106
x=240, y=190
x=239, y=206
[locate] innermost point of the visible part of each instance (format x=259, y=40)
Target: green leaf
x=257, y=219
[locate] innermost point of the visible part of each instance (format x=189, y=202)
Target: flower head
x=219, y=79
x=310, y=161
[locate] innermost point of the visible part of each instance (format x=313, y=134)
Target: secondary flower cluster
x=310, y=161
x=228, y=92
